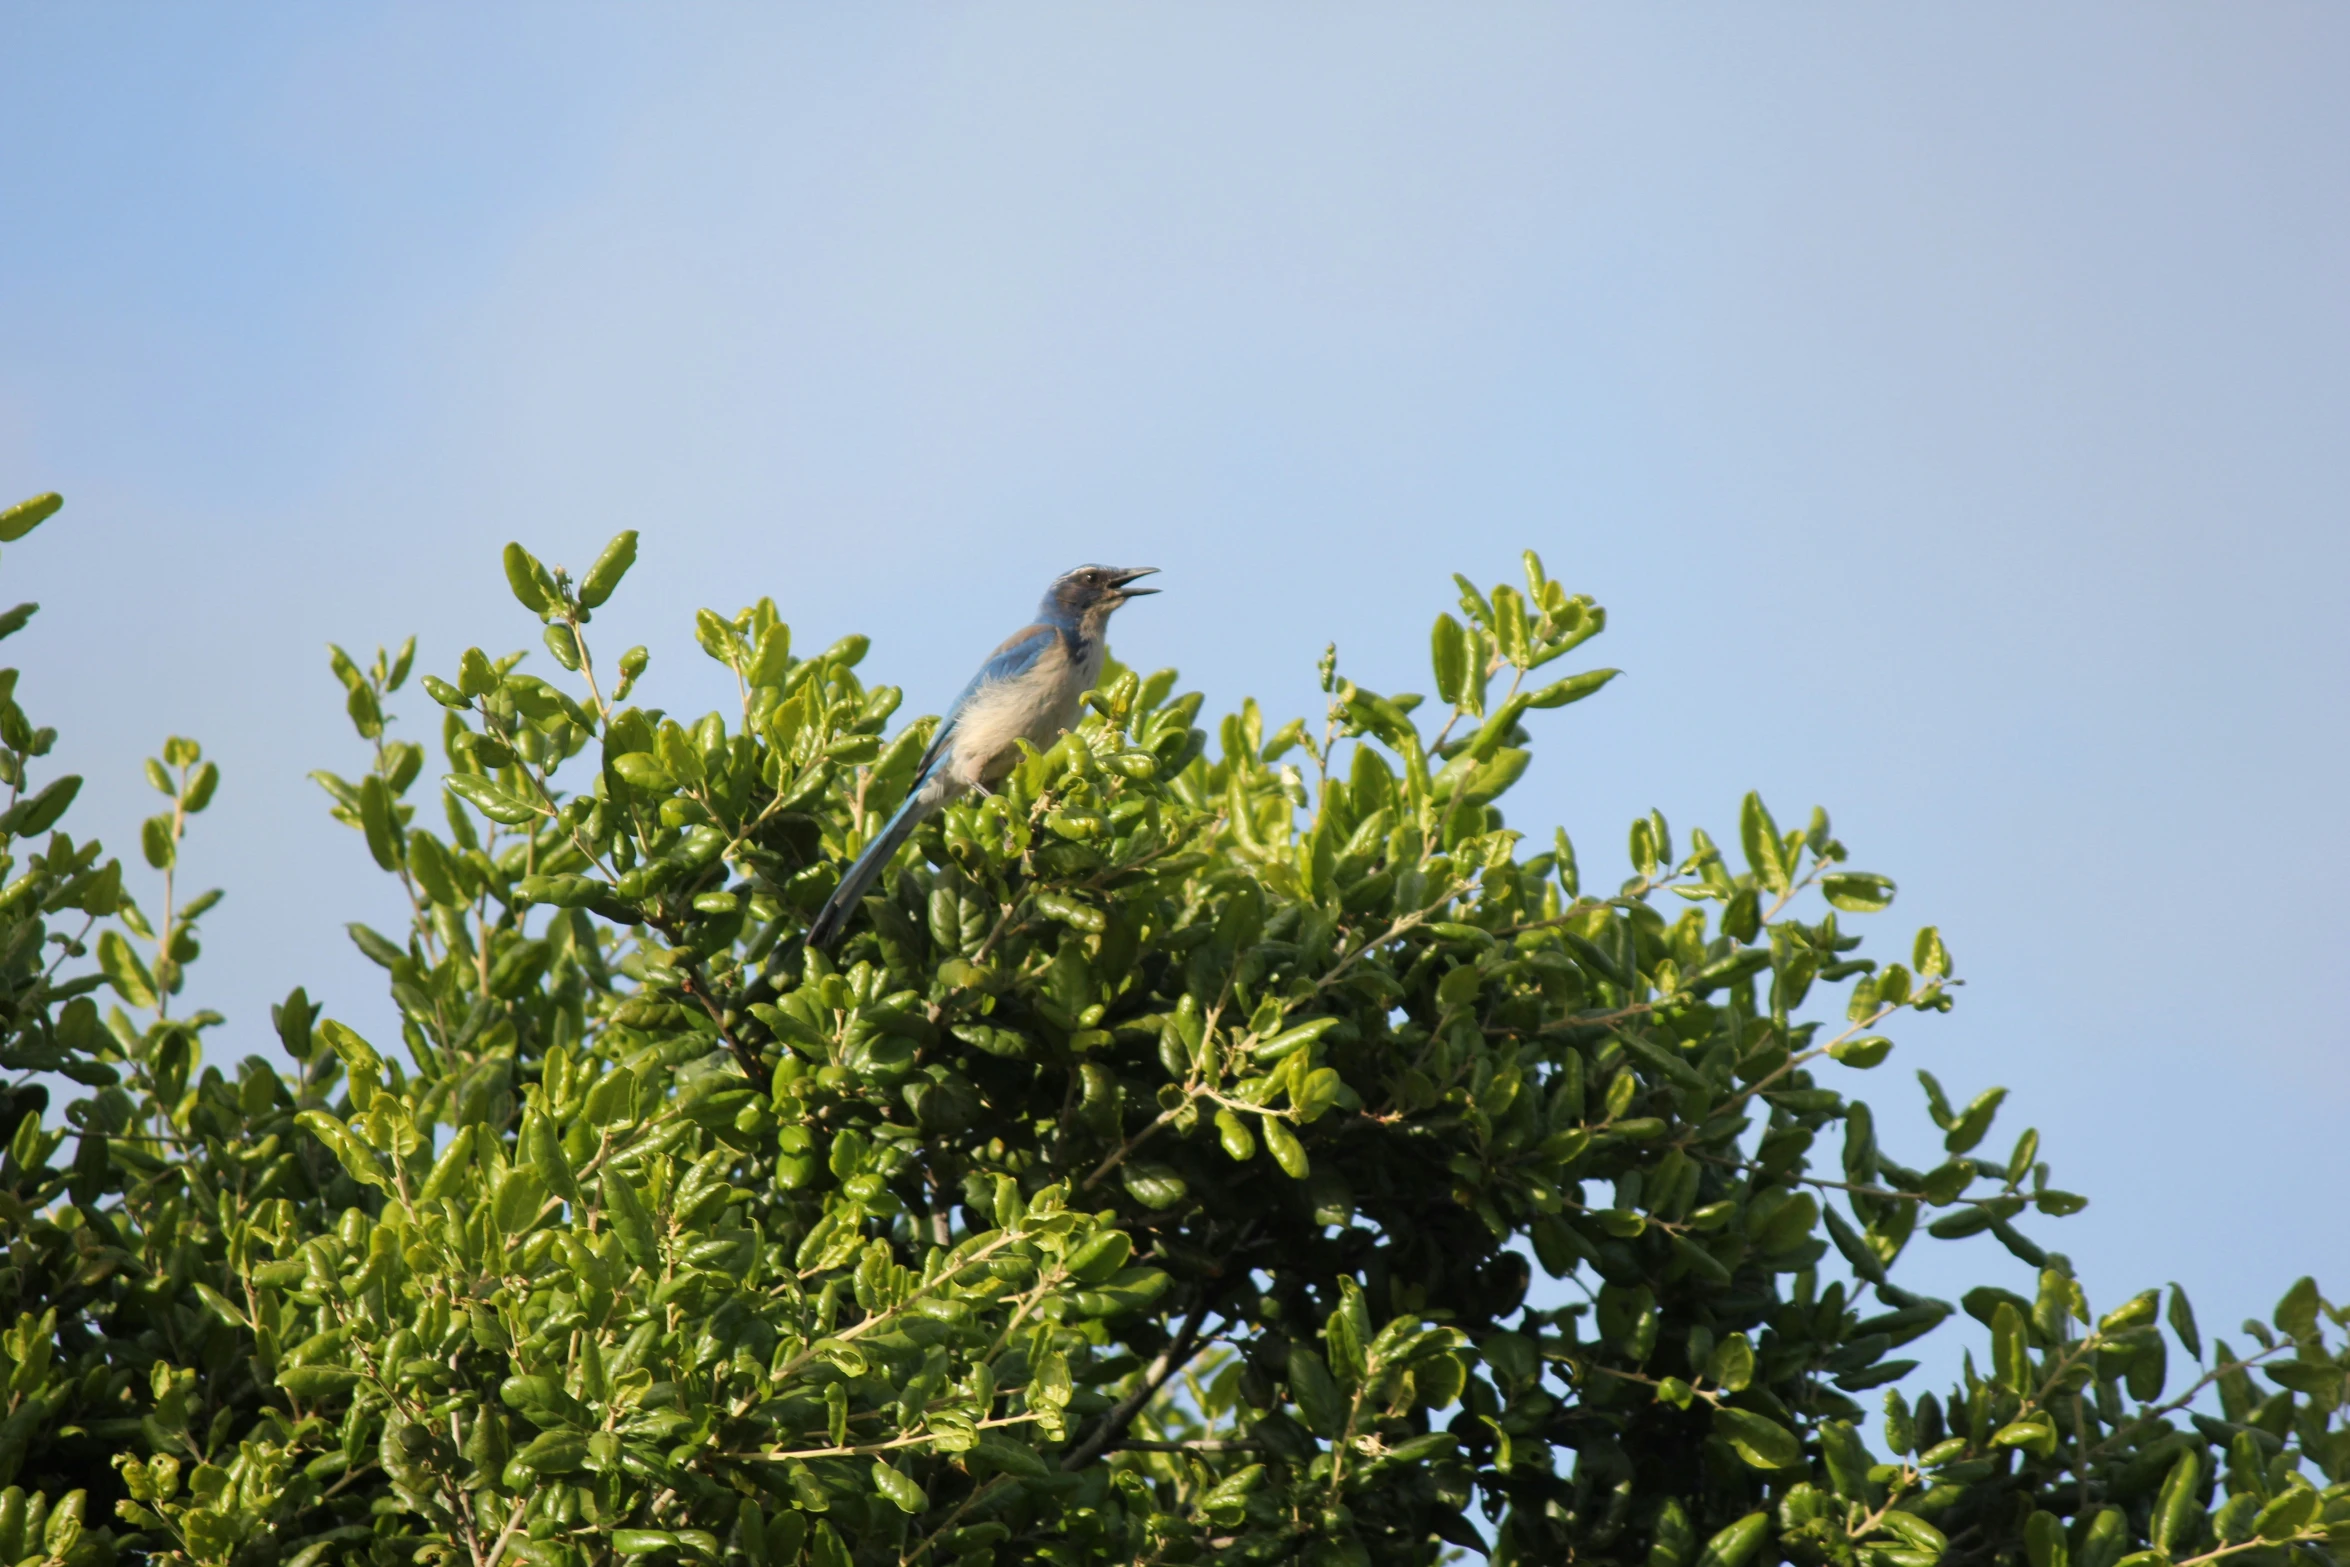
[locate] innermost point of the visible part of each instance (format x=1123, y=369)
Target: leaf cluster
x=1156, y=1173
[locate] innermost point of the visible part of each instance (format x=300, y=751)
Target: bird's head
x=1088, y=594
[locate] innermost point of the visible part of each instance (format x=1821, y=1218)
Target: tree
x=1152, y=1176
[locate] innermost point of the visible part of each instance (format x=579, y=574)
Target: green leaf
x=1290, y=1039
x=312, y=1383
x=2174, y=1505
x=1152, y=1184
x=1901, y=1432
x=1915, y=1532
x=354, y=1155
x=2044, y=1542
x=1574, y=688
x=1737, y=1544
x=377, y=947
x=1762, y=1442
x=1316, y=1092
x=377, y=821
x=717, y=637
x=517, y=1199
x=1857, y=892
x=476, y=676
x=430, y=864
x=124, y=971
x=642, y=1542
x=610, y=567
x=643, y=770
x=1854, y=1247
x=2319, y=1381
x=902, y=1492
x=771, y=657
x=1509, y=625
x=544, y=1150
x=2182, y=1322
x=1968, y=1128
x=448, y=1169
x=528, y=580
x=220, y=1305
x=157, y=843
x=491, y=800
x=1101, y=1255
x=630, y=1219
x=2287, y=1515
x=554, y=1453
x=1283, y=1145
x=1449, y=654
x=25, y=516
x=29, y=817
x=1759, y=836
x=2296, y=1314
x=1937, y=1103
x=1233, y=1132
x=1867, y=1051
x=1318, y=1400
x=2035, y=1436
x=1731, y=1366
x=1010, y=1457
x=2011, y=1365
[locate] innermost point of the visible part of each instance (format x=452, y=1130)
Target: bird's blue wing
x=1014, y=658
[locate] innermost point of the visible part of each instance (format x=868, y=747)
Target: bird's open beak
x=1129, y=575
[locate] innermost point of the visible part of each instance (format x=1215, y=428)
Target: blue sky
x=1948, y=403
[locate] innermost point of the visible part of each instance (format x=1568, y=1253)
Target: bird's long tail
x=832, y=920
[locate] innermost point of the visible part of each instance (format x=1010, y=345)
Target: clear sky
x=1951, y=404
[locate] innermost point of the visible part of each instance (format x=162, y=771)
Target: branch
x=778, y=1455
x=1119, y=1155
x=1171, y=1360
x=691, y=983
x=924, y=1546
x=506, y=1535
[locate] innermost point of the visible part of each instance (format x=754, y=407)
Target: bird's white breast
x=1036, y=705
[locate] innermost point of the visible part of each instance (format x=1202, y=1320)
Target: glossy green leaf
x=1762, y=1442
x=1449, y=654
x=490, y=799
x=1857, y=892
x=1738, y=1543
x=604, y=576
x=2175, y=1504
x=1572, y=689
x=527, y=578
x=1153, y=1184
x=23, y=517
x=900, y=1491
x=1283, y=1145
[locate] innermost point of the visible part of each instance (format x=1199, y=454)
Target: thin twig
x=957, y=1516
x=1171, y=1360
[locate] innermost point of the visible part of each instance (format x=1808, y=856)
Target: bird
x=1029, y=689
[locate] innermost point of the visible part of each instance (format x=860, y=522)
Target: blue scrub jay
x=1028, y=689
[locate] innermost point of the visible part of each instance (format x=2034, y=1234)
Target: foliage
x=1151, y=1178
